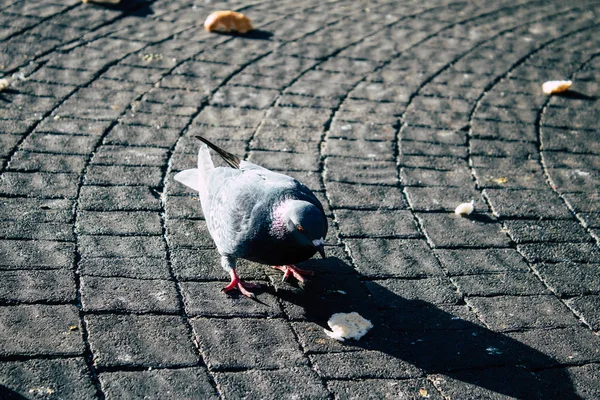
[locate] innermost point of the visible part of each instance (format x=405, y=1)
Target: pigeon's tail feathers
x=190, y=178
x=229, y=158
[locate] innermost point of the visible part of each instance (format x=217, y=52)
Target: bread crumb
x=465, y=208
x=4, y=84
x=227, y=22
x=347, y=326
x=553, y=87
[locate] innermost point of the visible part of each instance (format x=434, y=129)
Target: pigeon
x=256, y=214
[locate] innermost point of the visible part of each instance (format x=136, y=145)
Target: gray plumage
x=254, y=213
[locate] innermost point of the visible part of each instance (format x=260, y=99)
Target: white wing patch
x=190, y=178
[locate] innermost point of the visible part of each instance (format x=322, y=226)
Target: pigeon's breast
x=277, y=252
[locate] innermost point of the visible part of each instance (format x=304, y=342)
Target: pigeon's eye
x=300, y=228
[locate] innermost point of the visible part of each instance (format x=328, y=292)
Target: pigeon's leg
x=228, y=264
x=290, y=270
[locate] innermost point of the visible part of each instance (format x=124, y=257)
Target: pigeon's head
x=305, y=222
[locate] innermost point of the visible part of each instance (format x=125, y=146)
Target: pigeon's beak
x=321, y=251
x=319, y=243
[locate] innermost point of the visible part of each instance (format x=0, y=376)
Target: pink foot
x=237, y=283
x=290, y=270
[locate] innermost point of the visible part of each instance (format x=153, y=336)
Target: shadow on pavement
x=428, y=337
x=256, y=34
x=575, y=95
x=136, y=8
x=8, y=394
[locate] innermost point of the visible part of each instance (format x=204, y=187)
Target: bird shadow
x=8, y=394
x=435, y=339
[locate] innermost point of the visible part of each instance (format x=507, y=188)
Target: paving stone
x=478, y=261
x=460, y=177
x=351, y=170
x=41, y=184
x=527, y=204
x=504, y=383
x=431, y=162
x=140, y=340
x=441, y=136
x=244, y=96
x=119, y=223
x=507, y=313
x=378, y=258
x=450, y=230
x=294, y=100
x=123, y=175
x=199, y=264
x=35, y=330
x=53, y=378
x=583, y=202
x=364, y=131
x=443, y=198
x=582, y=381
x=280, y=133
x=482, y=129
x=229, y=116
x=265, y=344
x=393, y=293
x=138, y=267
x=131, y=135
x=372, y=150
x=363, y=364
x=184, y=233
x=379, y=223
x=297, y=117
x=290, y=161
x=36, y=210
x=419, y=316
x=122, y=198
x=586, y=307
x=515, y=283
x=516, y=176
x=383, y=389
x=207, y=300
x=546, y=230
x=121, y=246
x=34, y=286
x=36, y=231
x=498, y=148
x=561, y=252
x=273, y=384
x=573, y=180
x=81, y=145
x=570, y=279
x=126, y=294
x=161, y=383
x=572, y=345
x=183, y=207
x=25, y=254
x=343, y=195
x=432, y=149
x=25, y=161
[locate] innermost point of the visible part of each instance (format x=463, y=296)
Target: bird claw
x=242, y=287
x=290, y=270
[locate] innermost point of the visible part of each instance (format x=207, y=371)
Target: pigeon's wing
x=239, y=204
x=190, y=178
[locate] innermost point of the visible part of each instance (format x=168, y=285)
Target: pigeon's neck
x=279, y=218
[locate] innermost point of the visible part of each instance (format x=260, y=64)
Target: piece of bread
x=227, y=22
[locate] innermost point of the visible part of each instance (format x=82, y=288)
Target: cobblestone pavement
x=394, y=112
